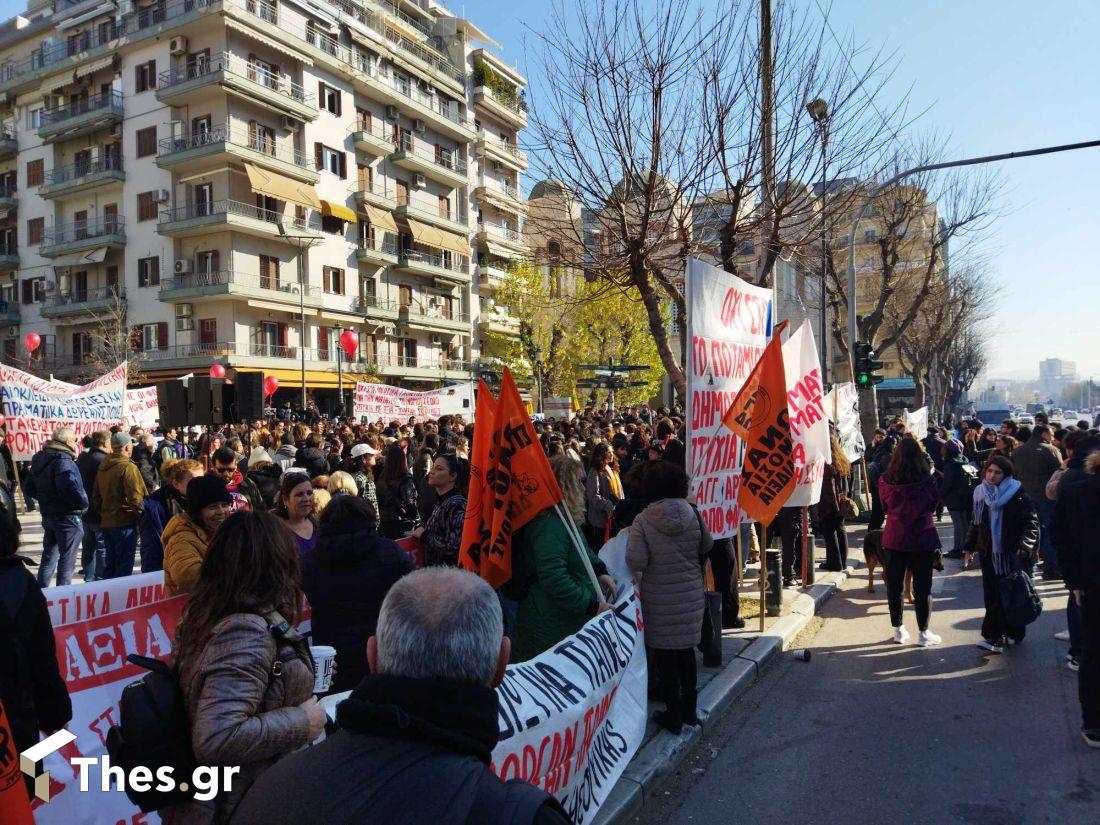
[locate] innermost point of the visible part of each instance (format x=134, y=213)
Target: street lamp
x=819, y=112
x=537, y=353
x=338, y=329
x=300, y=242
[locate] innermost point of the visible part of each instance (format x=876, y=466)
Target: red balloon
x=217, y=371
x=349, y=341
x=32, y=340
x=271, y=383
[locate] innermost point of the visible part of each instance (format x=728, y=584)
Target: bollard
x=774, y=600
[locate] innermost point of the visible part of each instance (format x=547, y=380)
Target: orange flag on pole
x=15, y=803
x=477, y=529
x=759, y=416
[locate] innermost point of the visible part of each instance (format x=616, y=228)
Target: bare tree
x=964, y=361
x=114, y=342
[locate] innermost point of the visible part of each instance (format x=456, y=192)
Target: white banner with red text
x=809, y=423
x=729, y=321
x=381, y=401
x=842, y=404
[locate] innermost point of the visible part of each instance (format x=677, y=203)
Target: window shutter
x=28, y=292
x=339, y=103
x=162, y=334
x=154, y=274
x=318, y=155
x=152, y=74
x=343, y=166
x=283, y=339
x=327, y=279
x=215, y=260
x=138, y=70
x=253, y=130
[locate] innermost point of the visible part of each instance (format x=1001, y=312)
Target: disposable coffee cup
x=324, y=658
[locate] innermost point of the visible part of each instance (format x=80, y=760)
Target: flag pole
x=763, y=571
x=571, y=529
x=738, y=551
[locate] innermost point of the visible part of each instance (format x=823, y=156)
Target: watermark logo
x=31, y=758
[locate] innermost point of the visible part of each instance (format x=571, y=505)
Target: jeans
x=121, y=550
x=920, y=564
x=1088, y=677
x=1073, y=622
x=1045, y=508
x=94, y=556
x=789, y=524
x=61, y=536
x=836, y=543
x=676, y=669
x=960, y=523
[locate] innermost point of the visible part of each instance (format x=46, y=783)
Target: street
x=871, y=732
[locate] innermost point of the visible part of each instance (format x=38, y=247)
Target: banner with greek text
x=558, y=408
x=33, y=407
x=842, y=404
x=142, y=408
x=806, y=408
x=729, y=321
x=381, y=401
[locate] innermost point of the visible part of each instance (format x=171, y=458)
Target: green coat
x=560, y=597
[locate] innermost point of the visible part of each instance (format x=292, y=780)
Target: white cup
x=324, y=657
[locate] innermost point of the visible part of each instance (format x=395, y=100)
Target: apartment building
x=239, y=181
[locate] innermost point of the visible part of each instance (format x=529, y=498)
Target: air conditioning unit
x=420, y=181
x=185, y=324
x=163, y=196
x=184, y=310
x=293, y=289
x=436, y=338
x=125, y=7
x=183, y=266
x=290, y=123
x=392, y=113
x=419, y=125
x=177, y=45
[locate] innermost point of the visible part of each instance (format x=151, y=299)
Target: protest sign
x=142, y=408
x=558, y=408
x=729, y=323
x=806, y=407
x=842, y=404
x=382, y=401
x=916, y=422
x=33, y=408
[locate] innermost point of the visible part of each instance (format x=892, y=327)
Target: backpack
x=972, y=475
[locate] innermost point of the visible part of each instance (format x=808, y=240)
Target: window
x=148, y=271
x=208, y=261
x=444, y=207
x=261, y=138
x=112, y=278
x=82, y=347
x=147, y=206
x=145, y=76
x=366, y=178
x=36, y=172
x=362, y=120
x=333, y=280
x=36, y=229
x=869, y=236
x=329, y=98
x=154, y=336
x=110, y=218
x=146, y=141
x=269, y=272
x=34, y=118
x=401, y=189
x=329, y=160
x=408, y=351
x=268, y=207
x=332, y=225
x=204, y=199
x=80, y=286
x=263, y=72
x=208, y=331
x=11, y=349
x=32, y=290
x=324, y=336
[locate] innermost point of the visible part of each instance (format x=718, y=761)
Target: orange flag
x=758, y=415
x=477, y=529
x=15, y=804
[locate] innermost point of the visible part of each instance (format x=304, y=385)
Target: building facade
x=239, y=181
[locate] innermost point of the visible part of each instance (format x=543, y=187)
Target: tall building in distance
x=1055, y=374
x=238, y=181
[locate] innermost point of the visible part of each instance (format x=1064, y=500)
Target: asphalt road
x=872, y=732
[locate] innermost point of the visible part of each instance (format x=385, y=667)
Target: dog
x=872, y=553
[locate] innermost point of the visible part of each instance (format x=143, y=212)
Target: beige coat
x=667, y=542
x=243, y=709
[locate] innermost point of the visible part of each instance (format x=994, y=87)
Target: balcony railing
x=501, y=231
x=86, y=41
x=84, y=296
x=250, y=349
x=453, y=263
x=8, y=190
x=459, y=215
x=230, y=207
x=111, y=100
x=64, y=174
x=441, y=313
x=238, y=67
x=505, y=189
x=423, y=363
x=8, y=249
x=237, y=136
x=387, y=246
x=446, y=158
x=365, y=303
x=199, y=280
x=377, y=188
x=83, y=230
x=407, y=87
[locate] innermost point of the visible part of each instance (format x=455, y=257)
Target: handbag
x=1019, y=601
x=846, y=506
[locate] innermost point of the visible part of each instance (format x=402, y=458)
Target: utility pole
x=767, y=137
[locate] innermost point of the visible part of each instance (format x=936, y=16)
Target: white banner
x=842, y=403
x=33, y=408
x=558, y=408
x=809, y=423
x=381, y=401
x=729, y=321
x=916, y=422
x=142, y=408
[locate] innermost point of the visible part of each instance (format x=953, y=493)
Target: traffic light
x=867, y=366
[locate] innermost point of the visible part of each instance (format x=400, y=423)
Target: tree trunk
x=919, y=393
x=652, y=303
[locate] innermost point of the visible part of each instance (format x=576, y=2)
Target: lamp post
x=538, y=376
x=300, y=242
x=819, y=111
x=338, y=329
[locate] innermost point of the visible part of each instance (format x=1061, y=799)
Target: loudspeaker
x=202, y=402
x=172, y=401
x=248, y=389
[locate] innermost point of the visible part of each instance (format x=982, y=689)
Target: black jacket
x=956, y=491
x=409, y=752
x=34, y=695
x=345, y=579
x=88, y=464
x=266, y=480
x=1076, y=526
x=933, y=445
x=1019, y=529
x=313, y=460
x=397, y=510
x=147, y=466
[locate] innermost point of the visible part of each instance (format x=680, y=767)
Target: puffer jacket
x=119, y=491
x=909, y=509
x=54, y=480
x=185, y=544
x=241, y=712
x=666, y=545
x=147, y=466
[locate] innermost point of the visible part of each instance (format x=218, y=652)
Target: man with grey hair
x=119, y=496
x=416, y=736
x=55, y=481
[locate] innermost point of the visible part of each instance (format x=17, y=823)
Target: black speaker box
x=248, y=389
x=200, y=410
x=172, y=401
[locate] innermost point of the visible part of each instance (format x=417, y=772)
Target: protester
x=441, y=535
x=427, y=718
x=118, y=497
x=345, y=579
x=910, y=496
x=263, y=473
x=604, y=490
x=667, y=543
x=55, y=482
x=245, y=494
x=361, y=466
x=187, y=536
x=397, y=507
x=1036, y=460
x=1004, y=534
x=162, y=506
x=312, y=458
x=960, y=477
x=93, y=558
x=341, y=483
x=144, y=456
x=245, y=672
x=287, y=453
x=830, y=516
x=295, y=504
x=426, y=496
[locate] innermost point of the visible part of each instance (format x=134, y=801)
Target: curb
x=656, y=760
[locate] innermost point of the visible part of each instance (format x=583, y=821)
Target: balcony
x=447, y=268
x=201, y=218
x=494, y=149
x=82, y=304
x=80, y=236
x=406, y=95
x=374, y=307
x=500, y=235
x=442, y=166
x=80, y=177
x=81, y=117
x=9, y=257
x=240, y=354
x=435, y=318
x=498, y=322
x=205, y=286
x=53, y=58
x=371, y=138
x=501, y=196
x=376, y=194
x=191, y=83
x=459, y=226
x=512, y=112
x=9, y=312
x=9, y=197
x=424, y=368
x=377, y=252
x=225, y=143
x=9, y=143
x=491, y=274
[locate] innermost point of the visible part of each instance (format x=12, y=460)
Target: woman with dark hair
x=441, y=535
x=603, y=491
x=345, y=579
x=910, y=497
x=1005, y=534
x=245, y=673
x=187, y=536
x=830, y=518
x=426, y=496
x=1006, y=444
x=668, y=541
x=295, y=504
x=959, y=477
x=397, y=511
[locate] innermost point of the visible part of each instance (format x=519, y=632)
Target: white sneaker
x=1062, y=635
x=927, y=637
x=992, y=647
x=901, y=635
x=1073, y=664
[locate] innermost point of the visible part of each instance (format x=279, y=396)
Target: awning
x=380, y=219
x=362, y=39
x=280, y=187
x=337, y=210
x=267, y=41
x=454, y=243
x=293, y=310
x=475, y=33
x=340, y=316
x=52, y=84
x=500, y=251
x=401, y=30
x=94, y=66
x=72, y=22
x=92, y=256
x=424, y=234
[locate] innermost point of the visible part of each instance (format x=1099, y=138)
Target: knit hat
x=954, y=447
x=205, y=490
x=121, y=439
x=258, y=455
